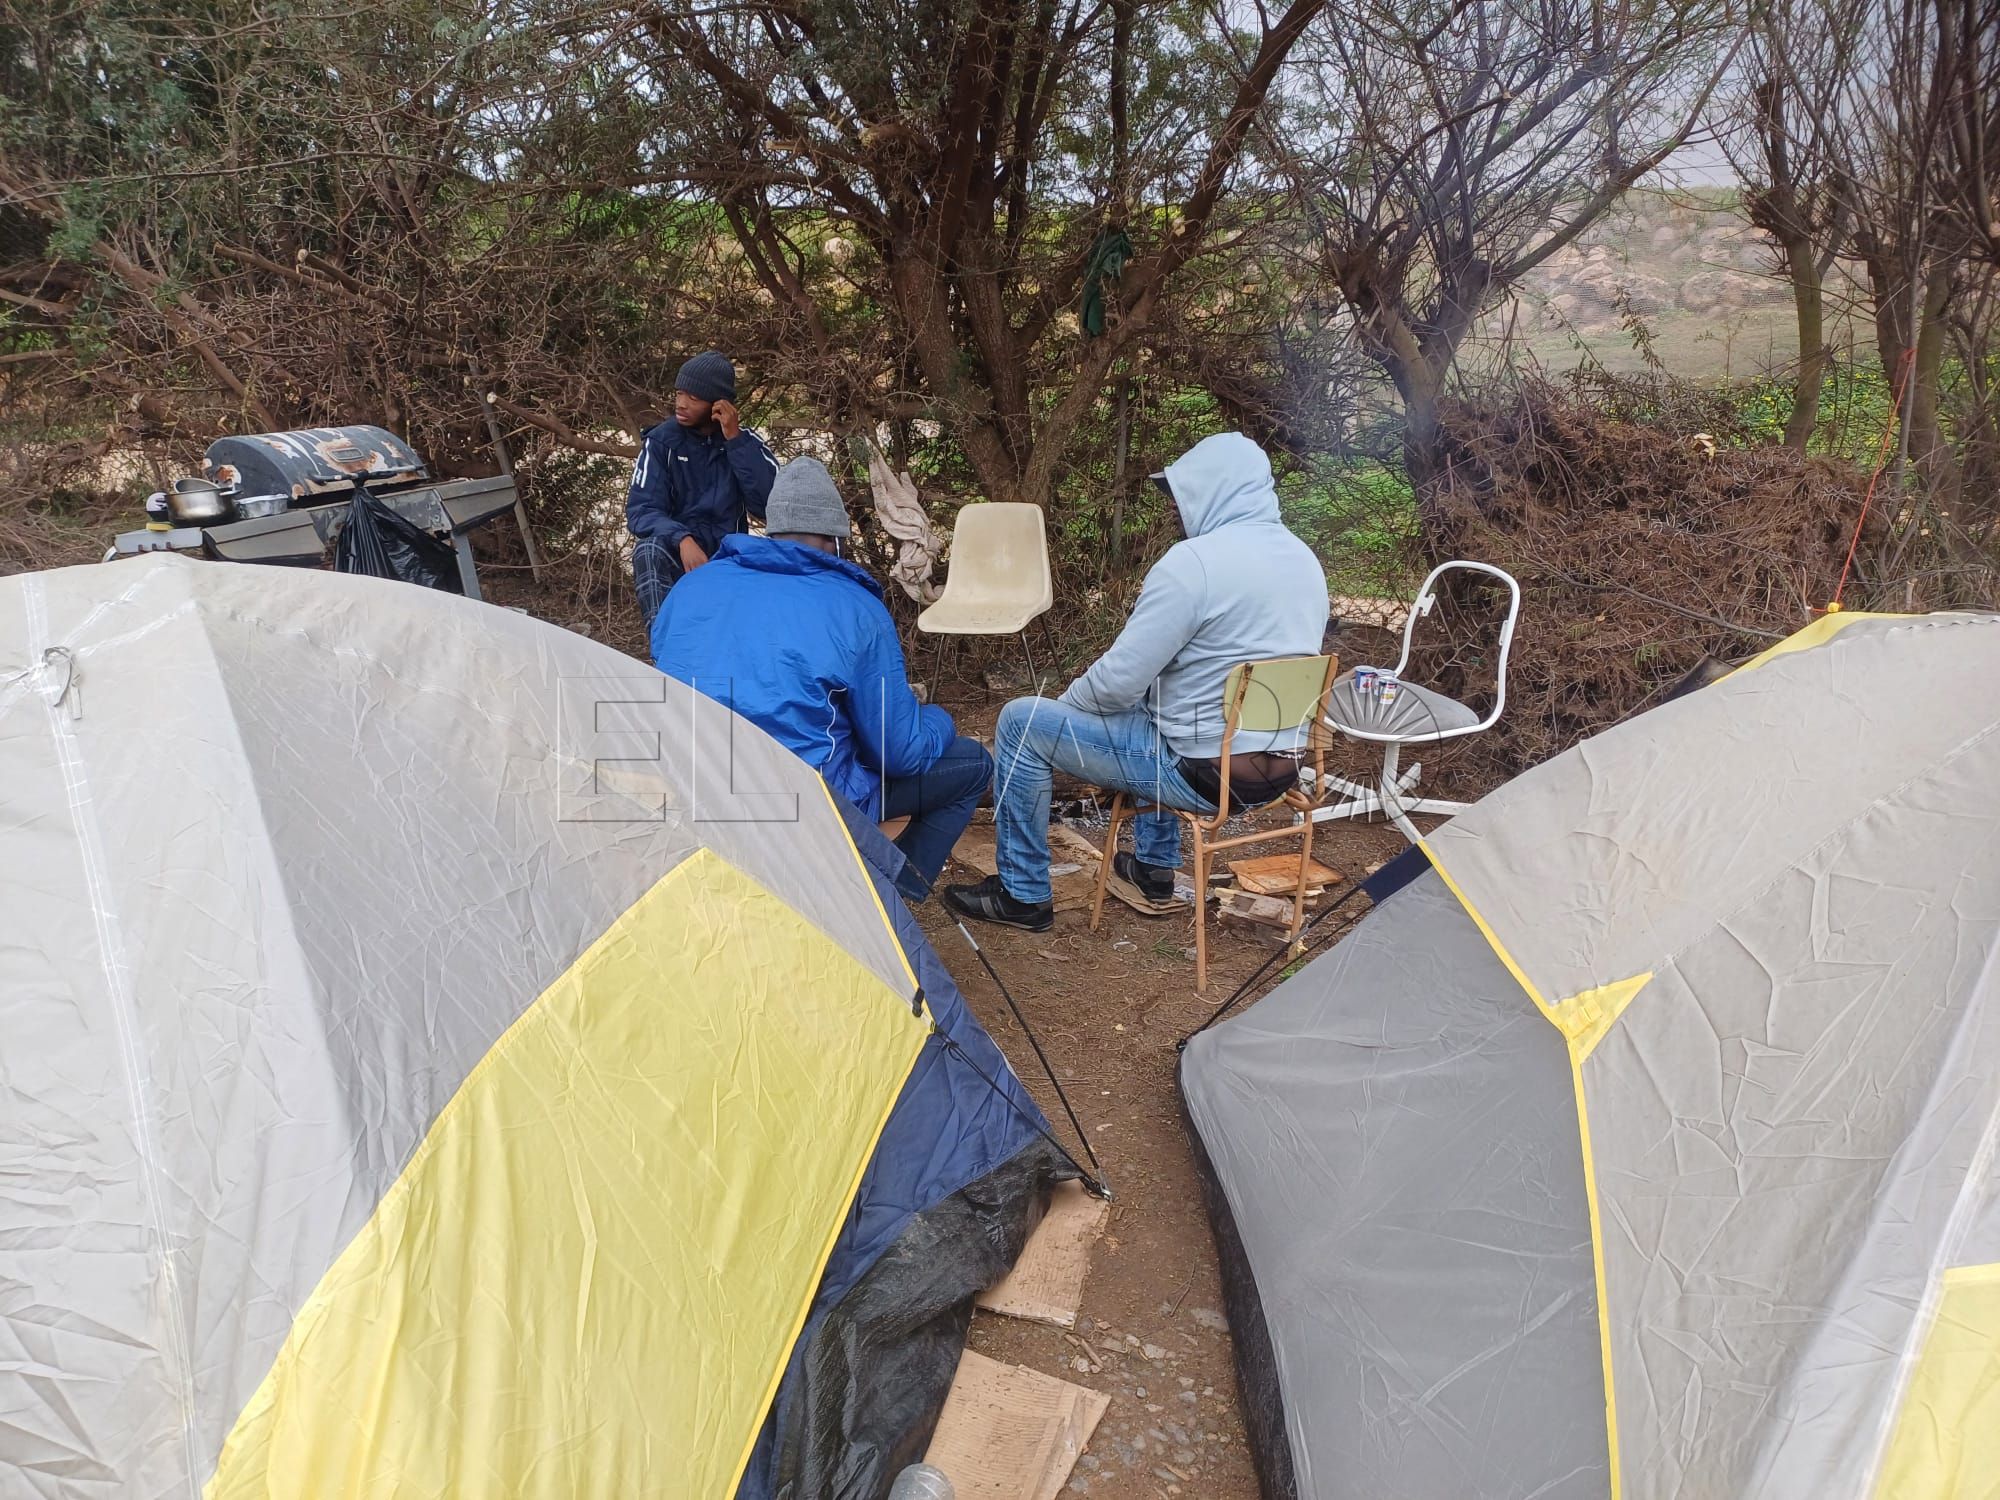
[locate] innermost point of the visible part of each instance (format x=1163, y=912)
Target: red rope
x=1903, y=367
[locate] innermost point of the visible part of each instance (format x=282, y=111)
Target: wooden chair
x=1260, y=697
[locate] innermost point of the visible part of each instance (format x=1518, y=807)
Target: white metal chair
x=1413, y=715
x=997, y=579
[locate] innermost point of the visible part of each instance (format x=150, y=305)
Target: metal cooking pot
x=196, y=502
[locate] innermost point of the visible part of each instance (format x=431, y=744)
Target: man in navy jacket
x=796, y=639
x=697, y=476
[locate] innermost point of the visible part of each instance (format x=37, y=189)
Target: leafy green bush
x=1360, y=516
x=1854, y=405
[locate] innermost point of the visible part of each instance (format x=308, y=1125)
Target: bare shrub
x=1640, y=553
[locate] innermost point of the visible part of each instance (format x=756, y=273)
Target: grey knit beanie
x=708, y=377
x=804, y=502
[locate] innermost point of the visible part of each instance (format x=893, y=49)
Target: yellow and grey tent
x=1644, y=1144
x=445, y=1058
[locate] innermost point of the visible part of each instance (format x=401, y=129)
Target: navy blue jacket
x=801, y=644
x=691, y=483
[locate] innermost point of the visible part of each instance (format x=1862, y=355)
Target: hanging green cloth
x=1107, y=263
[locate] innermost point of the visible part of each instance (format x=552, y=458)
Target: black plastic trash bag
x=376, y=541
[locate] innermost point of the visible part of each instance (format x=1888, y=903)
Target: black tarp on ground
x=960, y=1178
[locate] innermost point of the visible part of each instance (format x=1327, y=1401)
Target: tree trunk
x=1420, y=383
x=1808, y=303
x=1121, y=456
x=1927, y=447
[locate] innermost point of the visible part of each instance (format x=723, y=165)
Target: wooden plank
x=1271, y=911
x=1046, y=1284
x=1278, y=875
x=1011, y=1433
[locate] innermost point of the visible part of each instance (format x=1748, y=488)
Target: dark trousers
x=939, y=803
x=656, y=568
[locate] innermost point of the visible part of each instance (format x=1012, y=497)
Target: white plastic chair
x=997, y=579
x=1415, y=715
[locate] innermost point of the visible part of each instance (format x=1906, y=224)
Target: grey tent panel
x=1982, y=1212
x=1395, y=1135
x=1592, y=865
x=339, y=974
x=1765, y=923
x=1789, y=1123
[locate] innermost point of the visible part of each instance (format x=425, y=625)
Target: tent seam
x=110, y=944
x=896, y=943
x=1978, y=1170
x=1576, y=1058
x=1597, y=1267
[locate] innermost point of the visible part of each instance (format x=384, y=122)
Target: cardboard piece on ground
x=1181, y=905
x=1046, y=1284
x=1010, y=1433
x=1067, y=839
x=1278, y=875
x=1087, y=854
x=1073, y=892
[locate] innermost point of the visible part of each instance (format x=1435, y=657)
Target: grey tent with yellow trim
x=446, y=1058
x=1645, y=1145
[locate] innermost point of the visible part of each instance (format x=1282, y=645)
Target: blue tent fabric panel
x=949, y=1129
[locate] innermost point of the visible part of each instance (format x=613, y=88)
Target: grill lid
x=311, y=461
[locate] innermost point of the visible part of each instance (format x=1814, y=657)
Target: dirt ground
x=1109, y=1007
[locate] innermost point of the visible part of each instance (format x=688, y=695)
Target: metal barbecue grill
x=289, y=492
x=315, y=461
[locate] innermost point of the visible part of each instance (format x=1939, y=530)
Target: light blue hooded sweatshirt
x=1240, y=588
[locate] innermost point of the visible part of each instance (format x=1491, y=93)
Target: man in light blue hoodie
x=1147, y=718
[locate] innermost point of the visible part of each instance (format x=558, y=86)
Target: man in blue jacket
x=696, y=478
x=796, y=639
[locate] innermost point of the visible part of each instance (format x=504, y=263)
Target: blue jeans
x=1120, y=752
x=656, y=568
x=939, y=803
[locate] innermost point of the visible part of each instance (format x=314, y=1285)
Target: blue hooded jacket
x=686, y=482
x=800, y=643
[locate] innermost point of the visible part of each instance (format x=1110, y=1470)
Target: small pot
x=196, y=502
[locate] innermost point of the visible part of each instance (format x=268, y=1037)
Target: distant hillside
x=1689, y=266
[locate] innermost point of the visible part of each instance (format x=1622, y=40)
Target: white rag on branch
x=901, y=511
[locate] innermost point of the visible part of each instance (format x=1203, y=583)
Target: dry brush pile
x=1646, y=545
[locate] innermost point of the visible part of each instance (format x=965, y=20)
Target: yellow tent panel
x=1947, y=1440
x=589, y=1276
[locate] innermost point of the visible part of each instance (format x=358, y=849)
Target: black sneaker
x=1154, y=882
x=988, y=901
